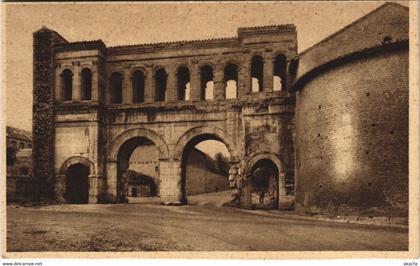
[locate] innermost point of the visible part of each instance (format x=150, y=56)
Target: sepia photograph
x=260, y=129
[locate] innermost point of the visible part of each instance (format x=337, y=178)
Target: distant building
x=18, y=138
x=19, y=164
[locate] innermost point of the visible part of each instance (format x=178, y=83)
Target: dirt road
x=153, y=227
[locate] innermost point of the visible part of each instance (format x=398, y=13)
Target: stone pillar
x=246, y=197
x=149, y=86
x=219, y=84
x=284, y=200
x=58, y=90
x=171, y=85
x=111, y=181
x=244, y=77
x=268, y=74
x=195, y=83
x=76, y=82
x=170, y=182
x=95, y=85
x=127, y=90
x=93, y=189
x=60, y=188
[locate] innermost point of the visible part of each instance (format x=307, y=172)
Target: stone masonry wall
x=352, y=137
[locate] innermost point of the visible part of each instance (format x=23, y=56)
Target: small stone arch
x=275, y=158
x=87, y=65
x=192, y=133
x=156, y=68
x=181, y=66
x=139, y=132
x=257, y=73
x=233, y=62
x=66, y=66
x=77, y=160
x=134, y=69
x=206, y=63
x=66, y=83
x=282, y=199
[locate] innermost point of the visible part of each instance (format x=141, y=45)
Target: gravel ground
x=153, y=227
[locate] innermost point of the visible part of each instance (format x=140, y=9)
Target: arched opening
x=257, y=73
x=231, y=81
x=280, y=73
x=67, y=84
x=207, y=83
x=264, y=185
x=86, y=84
x=160, y=85
x=137, y=170
x=77, y=184
x=116, y=87
x=183, y=76
x=138, y=86
x=205, y=169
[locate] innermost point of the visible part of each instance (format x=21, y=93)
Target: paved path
x=153, y=227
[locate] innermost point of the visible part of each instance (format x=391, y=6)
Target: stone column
x=93, y=189
x=283, y=201
x=111, y=181
x=195, y=83
x=268, y=74
x=95, y=84
x=76, y=82
x=171, y=85
x=246, y=197
x=149, y=85
x=58, y=90
x=244, y=73
x=170, y=182
x=219, y=84
x=127, y=90
x=60, y=188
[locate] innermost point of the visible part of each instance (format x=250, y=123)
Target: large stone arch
x=218, y=134
x=188, y=140
x=138, y=132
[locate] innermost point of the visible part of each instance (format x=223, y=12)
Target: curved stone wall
x=352, y=136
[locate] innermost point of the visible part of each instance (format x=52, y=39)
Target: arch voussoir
x=139, y=132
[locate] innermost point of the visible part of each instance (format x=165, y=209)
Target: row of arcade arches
x=183, y=86
x=67, y=84
x=264, y=172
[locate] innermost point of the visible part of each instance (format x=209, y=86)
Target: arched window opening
x=280, y=73
x=86, y=84
x=160, y=85
x=207, y=83
x=137, y=170
x=116, y=87
x=67, y=84
x=205, y=169
x=264, y=182
x=183, y=76
x=257, y=72
x=231, y=81
x=138, y=86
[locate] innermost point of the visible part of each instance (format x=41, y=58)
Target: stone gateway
x=326, y=129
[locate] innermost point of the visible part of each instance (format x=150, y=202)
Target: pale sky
x=135, y=23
